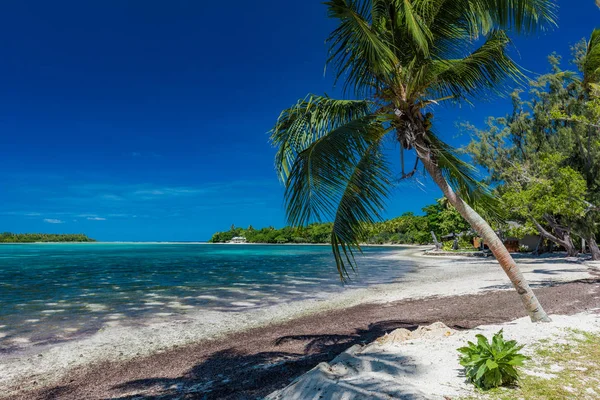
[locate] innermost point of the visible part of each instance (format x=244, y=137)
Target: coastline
x=229, y=244
x=122, y=342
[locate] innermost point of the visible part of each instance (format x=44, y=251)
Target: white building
x=238, y=240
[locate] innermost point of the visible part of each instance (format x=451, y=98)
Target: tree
x=551, y=193
x=544, y=158
x=403, y=58
x=443, y=219
x=582, y=114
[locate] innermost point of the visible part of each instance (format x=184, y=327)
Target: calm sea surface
x=51, y=292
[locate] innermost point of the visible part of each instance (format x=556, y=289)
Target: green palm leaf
x=357, y=51
x=486, y=69
x=343, y=177
x=309, y=120
x=591, y=66
x=519, y=15
x=361, y=204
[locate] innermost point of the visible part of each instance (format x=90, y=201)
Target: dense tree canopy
x=8, y=237
x=544, y=158
x=440, y=218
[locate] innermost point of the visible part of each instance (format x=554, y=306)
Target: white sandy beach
x=118, y=341
x=422, y=368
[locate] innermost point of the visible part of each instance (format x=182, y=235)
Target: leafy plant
x=447, y=246
x=490, y=365
x=524, y=249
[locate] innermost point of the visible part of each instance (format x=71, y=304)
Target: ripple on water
x=88, y=287
x=153, y=303
x=208, y=297
x=242, y=304
x=96, y=307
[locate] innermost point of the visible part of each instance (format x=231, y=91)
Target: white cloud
x=154, y=192
x=96, y=219
x=53, y=221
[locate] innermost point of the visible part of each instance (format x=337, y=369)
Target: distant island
x=8, y=237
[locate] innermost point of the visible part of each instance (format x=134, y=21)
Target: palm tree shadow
x=234, y=374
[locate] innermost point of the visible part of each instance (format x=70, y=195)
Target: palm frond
x=484, y=70
x=309, y=120
x=522, y=16
x=361, y=204
x=341, y=177
x=317, y=174
x=415, y=25
x=591, y=65
x=459, y=23
x=358, y=53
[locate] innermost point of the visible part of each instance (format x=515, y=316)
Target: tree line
x=440, y=218
x=8, y=237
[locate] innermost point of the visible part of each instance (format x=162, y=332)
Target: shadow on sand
x=235, y=371
x=231, y=374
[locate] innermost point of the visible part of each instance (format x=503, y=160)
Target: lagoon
x=55, y=292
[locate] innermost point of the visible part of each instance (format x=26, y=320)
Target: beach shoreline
x=434, y=278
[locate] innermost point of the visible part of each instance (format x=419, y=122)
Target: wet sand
x=249, y=361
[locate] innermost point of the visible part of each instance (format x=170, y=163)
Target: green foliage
x=490, y=365
x=403, y=58
x=548, y=188
x=314, y=233
x=448, y=246
x=544, y=158
x=8, y=237
x=441, y=218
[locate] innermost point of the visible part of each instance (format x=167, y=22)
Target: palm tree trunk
x=530, y=301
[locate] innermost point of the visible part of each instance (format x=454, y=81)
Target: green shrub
x=524, y=249
x=447, y=246
x=465, y=242
x=492, y=365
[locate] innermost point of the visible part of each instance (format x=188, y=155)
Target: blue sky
x=147, y=120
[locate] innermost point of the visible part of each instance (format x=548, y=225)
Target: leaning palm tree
x=402, y=58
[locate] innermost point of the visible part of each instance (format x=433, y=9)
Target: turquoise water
x=55, y=292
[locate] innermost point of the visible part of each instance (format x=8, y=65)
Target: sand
x=118, y=345
x=422, y=368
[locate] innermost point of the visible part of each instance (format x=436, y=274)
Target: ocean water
x=56, y=292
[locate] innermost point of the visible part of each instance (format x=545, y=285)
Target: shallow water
x=54, y=292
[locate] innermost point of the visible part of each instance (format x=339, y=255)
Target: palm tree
x=402, y=58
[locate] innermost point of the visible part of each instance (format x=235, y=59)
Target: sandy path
x=264, y=353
